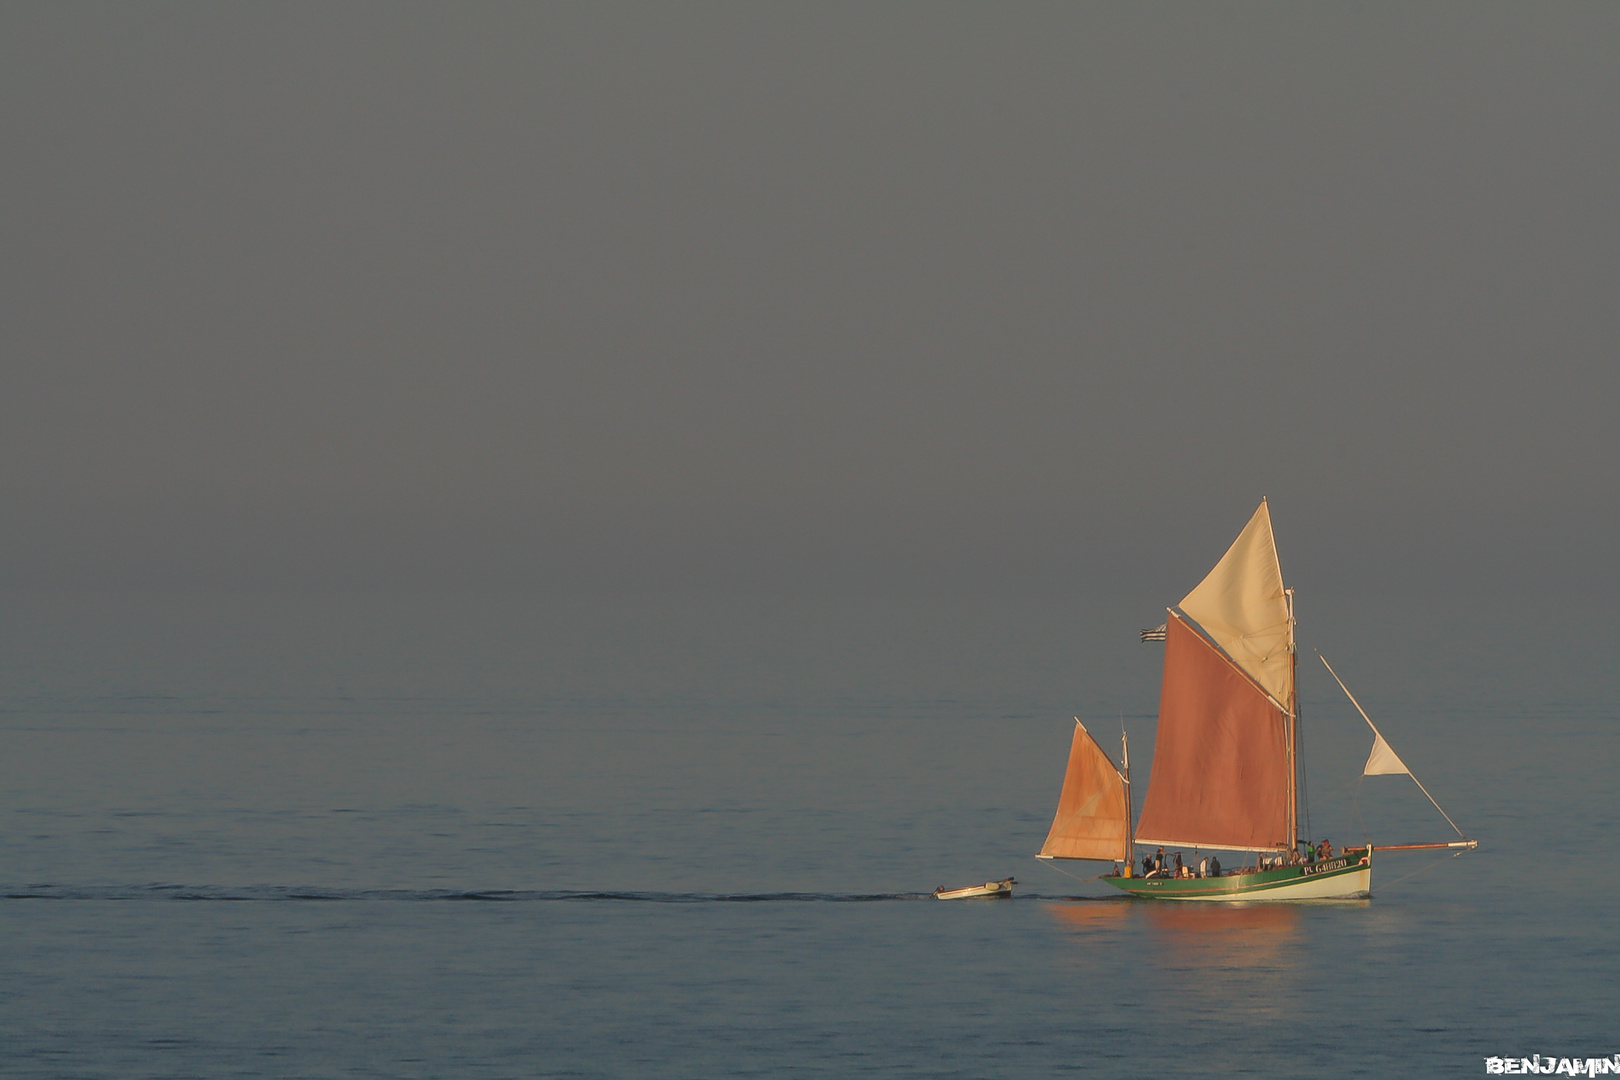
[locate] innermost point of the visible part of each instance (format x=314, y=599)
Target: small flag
x=1155, y=634
x=1383, y=761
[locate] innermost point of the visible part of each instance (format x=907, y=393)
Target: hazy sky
x=797, y=297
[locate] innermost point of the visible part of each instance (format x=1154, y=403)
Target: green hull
x=1347, y=877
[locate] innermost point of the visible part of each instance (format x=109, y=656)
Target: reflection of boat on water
x=1225, y=761
x=1232, y=937
x=1183, y=937
x=990, y=890
x=1188, y=924
x=1090, y=913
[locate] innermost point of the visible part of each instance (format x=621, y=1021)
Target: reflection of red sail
x=1091, y=915
x=1220, y=762
x=1093, y=819
x=1222, y=935
x=1198, y=922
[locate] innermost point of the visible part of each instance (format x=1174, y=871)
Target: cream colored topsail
x=1241, y=605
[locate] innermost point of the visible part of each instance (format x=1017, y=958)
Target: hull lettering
x=1323, y=867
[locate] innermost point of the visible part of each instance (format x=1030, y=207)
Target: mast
x=1130, y=810
x=1293, y=729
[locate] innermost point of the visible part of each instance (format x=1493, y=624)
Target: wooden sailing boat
x=1225, y=765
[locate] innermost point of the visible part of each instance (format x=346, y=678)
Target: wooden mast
x=1293, y=729
x=1130, y=828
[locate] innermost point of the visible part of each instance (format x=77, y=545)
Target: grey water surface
x=663, y=837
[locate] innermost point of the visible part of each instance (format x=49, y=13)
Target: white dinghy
x=990, y=889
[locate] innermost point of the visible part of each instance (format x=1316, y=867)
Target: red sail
x=1092, y=821
x=1220, y=760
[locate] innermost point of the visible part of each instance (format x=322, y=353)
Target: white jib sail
x=1388, y=755
x=1383, y=761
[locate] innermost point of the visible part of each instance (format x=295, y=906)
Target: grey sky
x=796, y=297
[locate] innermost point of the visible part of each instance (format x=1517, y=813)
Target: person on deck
x=1178, y=864
x=1327, y=849
x=1215, y=866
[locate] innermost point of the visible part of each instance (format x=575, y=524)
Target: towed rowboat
x=993, y=889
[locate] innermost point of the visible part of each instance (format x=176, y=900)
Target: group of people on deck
x=1312, y=853
x=1157, y=865
x=1160, y=865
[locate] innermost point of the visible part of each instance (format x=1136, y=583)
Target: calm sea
x=695, y=838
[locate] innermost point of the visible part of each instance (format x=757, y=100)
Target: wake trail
x=179, y=893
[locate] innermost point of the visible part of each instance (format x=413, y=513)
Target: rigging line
x=1301, y=772
x=1356, y=824
x=1299, y=732
x=1380, y=734
x=1420, y=870
x=1084, y=881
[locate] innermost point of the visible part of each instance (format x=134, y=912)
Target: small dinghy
x=1002, y=888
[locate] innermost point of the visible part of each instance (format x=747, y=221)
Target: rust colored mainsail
x=1093, y=816
x=1222, y=772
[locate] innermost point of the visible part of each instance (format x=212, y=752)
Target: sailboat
x=1225, y=761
